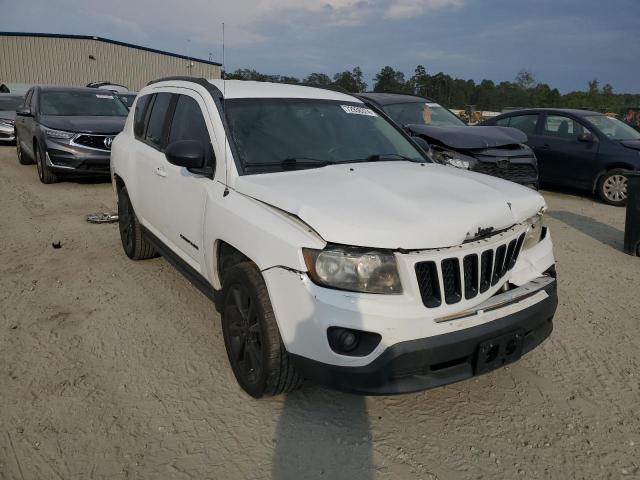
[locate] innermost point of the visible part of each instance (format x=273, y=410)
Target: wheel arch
x=612, y=166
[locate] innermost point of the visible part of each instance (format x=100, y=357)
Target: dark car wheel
x=612, y=188
x=133, y=242
x=44, y=171
x=23, y=159
x=258, y=358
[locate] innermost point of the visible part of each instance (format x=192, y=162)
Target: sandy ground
x=116, y=369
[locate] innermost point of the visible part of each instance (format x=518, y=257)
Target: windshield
x=271, y=131
x=10, y=103
x=613, y=128
x=99, y=104
x=418, y=113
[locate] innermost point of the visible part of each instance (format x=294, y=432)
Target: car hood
x=104, y=125
x=633, y=144
x=464, y=137
x=8, y=114
x=394, y=204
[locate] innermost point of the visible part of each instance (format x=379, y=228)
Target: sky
x=564, y=42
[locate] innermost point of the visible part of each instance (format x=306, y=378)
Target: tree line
x=524, y=91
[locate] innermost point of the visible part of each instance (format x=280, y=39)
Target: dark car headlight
x=354, y=269
x=5, y=122
x=60, y=134
x=453, y=158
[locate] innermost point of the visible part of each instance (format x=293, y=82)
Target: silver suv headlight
x=453, y=158
x=534, y=232
x=354, y=269
x=51, y=133
x=6, y=122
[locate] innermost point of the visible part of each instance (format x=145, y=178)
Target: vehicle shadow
x=323, y=434
x=88, y=180
x=602, y=232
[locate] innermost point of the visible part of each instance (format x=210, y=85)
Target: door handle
x=161, y=172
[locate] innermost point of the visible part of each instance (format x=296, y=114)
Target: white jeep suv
x=333, y=247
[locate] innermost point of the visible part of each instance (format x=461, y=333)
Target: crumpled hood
x=103, y=125
x=471, y=137
x=633, y=144
x=394, y=204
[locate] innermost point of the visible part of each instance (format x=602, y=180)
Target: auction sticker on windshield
x=110, y=97
x=358, y=110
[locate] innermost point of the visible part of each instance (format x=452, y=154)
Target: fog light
x=353, y=343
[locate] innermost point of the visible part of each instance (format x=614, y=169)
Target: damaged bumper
x=415, y=347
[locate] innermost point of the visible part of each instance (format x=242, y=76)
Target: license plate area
x=498, y=351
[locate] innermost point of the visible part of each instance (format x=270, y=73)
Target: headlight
x=57, y=133
x=353, y=269
x=5, y=122
x=534, y=232
x=453, y=158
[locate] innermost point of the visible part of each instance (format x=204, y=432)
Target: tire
x=612, y=188
x=44, y=171
x=23, y=159
x=257, y=356
x=135, y=246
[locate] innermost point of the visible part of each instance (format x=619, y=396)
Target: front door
x=562, y=158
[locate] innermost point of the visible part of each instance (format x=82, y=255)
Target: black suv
x=68, y=131
x=494, y=151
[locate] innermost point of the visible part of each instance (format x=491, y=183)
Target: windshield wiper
x=291, y=163
x=381, y=157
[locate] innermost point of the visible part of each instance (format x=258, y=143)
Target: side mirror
x=422, y=143
x=186, y=153
x=586, y=137
x=24, y=112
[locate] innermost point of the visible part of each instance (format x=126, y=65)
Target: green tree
x=390, y=80
x=351, y=81
x=526, y=80
x=318, y=79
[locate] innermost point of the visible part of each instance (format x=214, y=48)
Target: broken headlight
x=353, y=269
x=534, y=232
x=453, y=158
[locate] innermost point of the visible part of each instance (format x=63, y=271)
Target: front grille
x=516, y=172
x=95, y=141
x=476, y=273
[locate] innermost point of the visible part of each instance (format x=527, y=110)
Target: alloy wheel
x=244, y=335
x=615, y=188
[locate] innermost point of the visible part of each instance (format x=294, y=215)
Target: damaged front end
x=495, y=151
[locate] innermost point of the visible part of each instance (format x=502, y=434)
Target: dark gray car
x=496, y=151
x=68, y=131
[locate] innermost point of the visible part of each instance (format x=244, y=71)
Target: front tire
x=256, y=353
x=612, y=188
x=135, y=246
x=23, y=159
x=44, y=171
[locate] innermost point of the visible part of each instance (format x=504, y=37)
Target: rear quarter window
x=157, y=119
x=139, y=115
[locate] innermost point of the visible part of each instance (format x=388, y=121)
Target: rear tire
x=134, y=244
x=258, y=358
x=23, y=159
x=44, y=171
x=612, y=188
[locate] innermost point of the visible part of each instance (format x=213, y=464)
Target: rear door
x=150, y=128
x=184, y=191
x=563, y=159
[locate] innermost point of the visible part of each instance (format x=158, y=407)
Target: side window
x=188, y=122
x=503, y=122
x=139, y=114
x=526, y=123
x=559, y=126
x=156, y=123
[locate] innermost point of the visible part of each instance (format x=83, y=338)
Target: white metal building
x=51, y=59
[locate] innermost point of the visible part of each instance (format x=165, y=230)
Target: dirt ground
x=116, y=369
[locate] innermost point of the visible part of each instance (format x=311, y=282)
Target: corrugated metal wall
x=66, y=61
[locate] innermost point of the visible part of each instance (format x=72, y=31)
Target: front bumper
x=69, y=159
x=7, y=133
x=434, y=361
